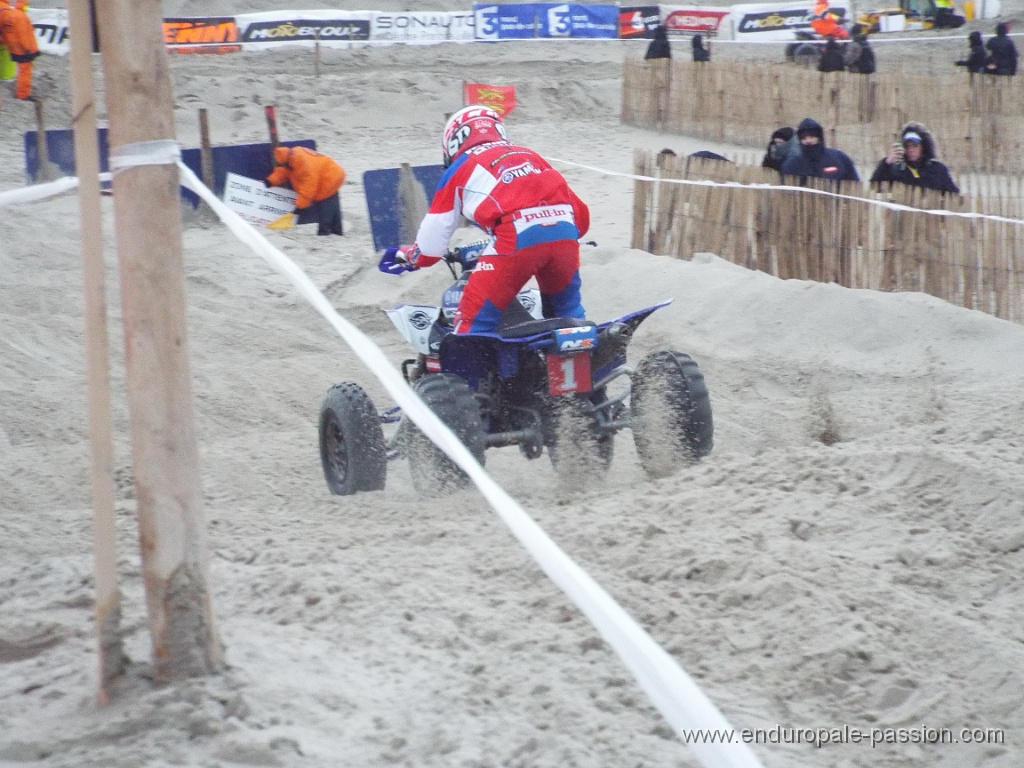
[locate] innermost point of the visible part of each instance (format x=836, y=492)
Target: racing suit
x=534, y=219
x=18, y=34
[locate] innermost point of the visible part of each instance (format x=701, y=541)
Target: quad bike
x=809, y=45
x=560, y=384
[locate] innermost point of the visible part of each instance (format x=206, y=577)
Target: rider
x=532, y=216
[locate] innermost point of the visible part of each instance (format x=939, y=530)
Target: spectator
x=700, y=53
x=914, y=161
x=815, y=159
x=659, y=47
x=316, y=178
x=975, y=61
x=831, y=58
x=782, y=143
x=1002, y=58
x=18, y=34
x=859, y=56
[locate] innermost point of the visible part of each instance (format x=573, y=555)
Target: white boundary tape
x=673, y=692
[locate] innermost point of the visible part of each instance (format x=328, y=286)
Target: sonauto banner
x=423, y=27
x=337, y=29
x=778, y=21
x=526, y=20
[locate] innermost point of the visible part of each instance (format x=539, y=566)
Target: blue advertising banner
x=527, y=20
x=385, y=204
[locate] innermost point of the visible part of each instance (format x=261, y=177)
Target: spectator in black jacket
x=659, y=47
x=700, y=53
x=1003, y=53
x=859, y=56
x=975, y=61
x=914, y=160
x=782, y=143
x=831, y=58
x=815, y=159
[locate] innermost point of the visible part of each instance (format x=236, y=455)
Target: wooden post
x=271, y=113
x=205, y=150
x=97, y=354
x=165, y=456
x=316, y=54
x=46, y=173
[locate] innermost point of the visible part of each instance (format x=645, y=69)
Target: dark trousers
x=326, y=214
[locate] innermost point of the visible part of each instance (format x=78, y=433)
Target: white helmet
x=472, y=125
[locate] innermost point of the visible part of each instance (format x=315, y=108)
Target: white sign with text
x=254, y=202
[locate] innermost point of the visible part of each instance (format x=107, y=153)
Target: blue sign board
x=526, y=20
x=250, y=160
x=384, y=202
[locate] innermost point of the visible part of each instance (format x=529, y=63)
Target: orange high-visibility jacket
x=313, y=176
x=17, y=33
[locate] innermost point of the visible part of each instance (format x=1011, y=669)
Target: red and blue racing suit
x=535, y=221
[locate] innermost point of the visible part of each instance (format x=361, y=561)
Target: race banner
x=681, y=20
x=335, y=29
x=423, y=27
x=758, y=21
x=51, y=25
x=500, y=98
x=637, y=21
x=209, y=34
x=527, y=20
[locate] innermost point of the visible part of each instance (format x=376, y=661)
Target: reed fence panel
x=844, y=236
x=978, y=120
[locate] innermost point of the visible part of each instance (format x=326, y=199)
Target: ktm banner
x=201, y=35
x=500, y=98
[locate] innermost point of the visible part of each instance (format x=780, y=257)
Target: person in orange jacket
x=18, y=34
x=316, y=178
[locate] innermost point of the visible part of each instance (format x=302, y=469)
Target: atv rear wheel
x=452, y=401
x=671, y=412
x=352, y=448
x=807, y=55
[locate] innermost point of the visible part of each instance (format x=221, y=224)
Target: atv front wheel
x=671, y=412
x=452, y=401
x=352, y=448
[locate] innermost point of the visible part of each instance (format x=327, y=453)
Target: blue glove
x=393, y=263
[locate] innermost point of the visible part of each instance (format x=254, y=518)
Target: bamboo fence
x=978, y=119
x=851, y=240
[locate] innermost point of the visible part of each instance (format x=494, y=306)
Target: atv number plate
x=569, y=373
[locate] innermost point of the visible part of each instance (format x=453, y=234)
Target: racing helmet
x=470, y=126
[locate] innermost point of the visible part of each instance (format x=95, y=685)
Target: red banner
x=500, y=98
x=695, y=19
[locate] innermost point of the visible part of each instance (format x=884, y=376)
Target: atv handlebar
x=466, y=256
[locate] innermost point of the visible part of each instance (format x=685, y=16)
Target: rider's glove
x=393, y=262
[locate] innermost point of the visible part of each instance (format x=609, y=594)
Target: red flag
x=500, y=98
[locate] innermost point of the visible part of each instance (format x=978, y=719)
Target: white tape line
x=157, y=152
x=671, y=689
x=38, y=191
x=790, y=188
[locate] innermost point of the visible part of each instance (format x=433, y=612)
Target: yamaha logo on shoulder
x=520, y=171
x=419, y=320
